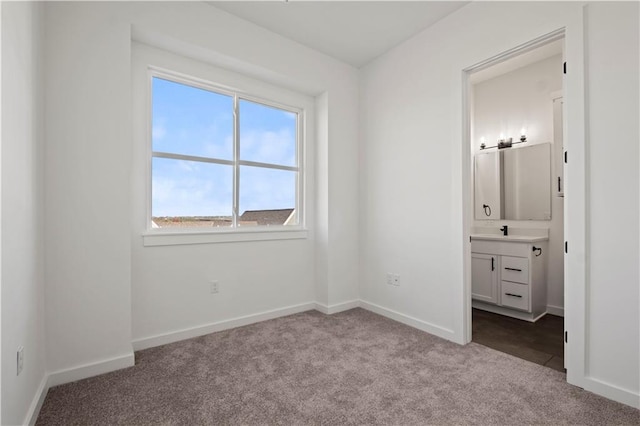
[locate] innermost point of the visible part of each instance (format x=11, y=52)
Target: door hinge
x=565, y=157
x=564, y=68
x=566, y=247
x=566, y=337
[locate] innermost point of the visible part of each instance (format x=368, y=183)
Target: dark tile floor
x=539, y=342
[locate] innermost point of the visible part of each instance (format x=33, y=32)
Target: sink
x=521, y=235
x=513, y=237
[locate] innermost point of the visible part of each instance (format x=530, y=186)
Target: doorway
x=516, y=222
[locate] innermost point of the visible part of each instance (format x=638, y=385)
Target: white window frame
x=254, y=93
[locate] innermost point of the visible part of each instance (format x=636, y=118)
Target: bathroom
x=517, y=230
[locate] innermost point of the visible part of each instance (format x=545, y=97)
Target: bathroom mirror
x=513, y=183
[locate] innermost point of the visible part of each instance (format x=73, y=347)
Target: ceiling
x=355, y=32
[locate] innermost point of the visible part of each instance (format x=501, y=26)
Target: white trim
x=151, y=239
x=575, y=225
x=149, y=62
x=84, y=371
x=188, y=333
x=508, y=312
x=555, y=310
x=338, y=307
x=576, y=280
x=612, y=392
x=466, y=160
x=436, y=330
x=38, y=400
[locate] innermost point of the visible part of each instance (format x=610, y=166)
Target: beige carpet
x=350, y=368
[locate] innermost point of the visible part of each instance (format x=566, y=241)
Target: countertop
x=514, y=238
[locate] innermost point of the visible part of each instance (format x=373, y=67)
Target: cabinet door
x=484, y=277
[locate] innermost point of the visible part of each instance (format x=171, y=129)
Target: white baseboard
x=89, y=370
x=38, y=400
x=188, y=333
x=613, y=392
x=555, y=310
x=436, y=330
x=338, y=307
x=69, y=375
x=508, y=312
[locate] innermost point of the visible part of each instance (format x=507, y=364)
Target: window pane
x=267, y=134
x=191, y=121
x=267, y=197
x=189, y=194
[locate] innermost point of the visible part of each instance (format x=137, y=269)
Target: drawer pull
x=513, y=269
x=513, y=295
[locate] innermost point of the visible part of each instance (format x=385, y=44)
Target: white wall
x=104, y=287
x=613, y=183
x=87, y=225
x=505, y=104
x=412, y=176
x=22, y=208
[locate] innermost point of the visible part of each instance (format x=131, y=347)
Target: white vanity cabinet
x=484, y=277
x=508, y=276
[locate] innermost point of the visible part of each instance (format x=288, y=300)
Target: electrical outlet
x=20, y=360
x=214, y=286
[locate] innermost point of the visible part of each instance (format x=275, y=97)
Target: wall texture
x=413, y=180
x=104, y=287
x=613, y=185
x=22, y=208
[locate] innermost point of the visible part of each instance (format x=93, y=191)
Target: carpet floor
x=354, y=367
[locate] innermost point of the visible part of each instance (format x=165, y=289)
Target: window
x=220, y=159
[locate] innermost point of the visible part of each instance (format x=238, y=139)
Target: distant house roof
x=266, y=217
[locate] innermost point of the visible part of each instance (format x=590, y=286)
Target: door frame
x=575, y=180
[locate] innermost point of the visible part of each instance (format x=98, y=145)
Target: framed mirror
x=513, y=183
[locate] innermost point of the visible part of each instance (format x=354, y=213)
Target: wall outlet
x=20, y=360
x=214, y=286
x=393, y=279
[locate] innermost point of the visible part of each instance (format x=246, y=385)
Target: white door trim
x=575, y=181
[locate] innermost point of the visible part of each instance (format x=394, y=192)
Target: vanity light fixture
x=523, y=135
x=504, y=142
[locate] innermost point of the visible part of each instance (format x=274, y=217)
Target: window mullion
x=236, y=158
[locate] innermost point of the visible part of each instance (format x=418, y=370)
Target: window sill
x=168, y=238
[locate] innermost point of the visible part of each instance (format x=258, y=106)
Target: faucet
x=505, y=230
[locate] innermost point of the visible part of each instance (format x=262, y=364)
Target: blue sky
x=192, y=121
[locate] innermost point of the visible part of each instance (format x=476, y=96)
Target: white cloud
x=268, y=146
x=158, y=132
x=182, y=188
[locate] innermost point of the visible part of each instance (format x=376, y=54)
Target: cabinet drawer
x=515, y=295
x=515, y=269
